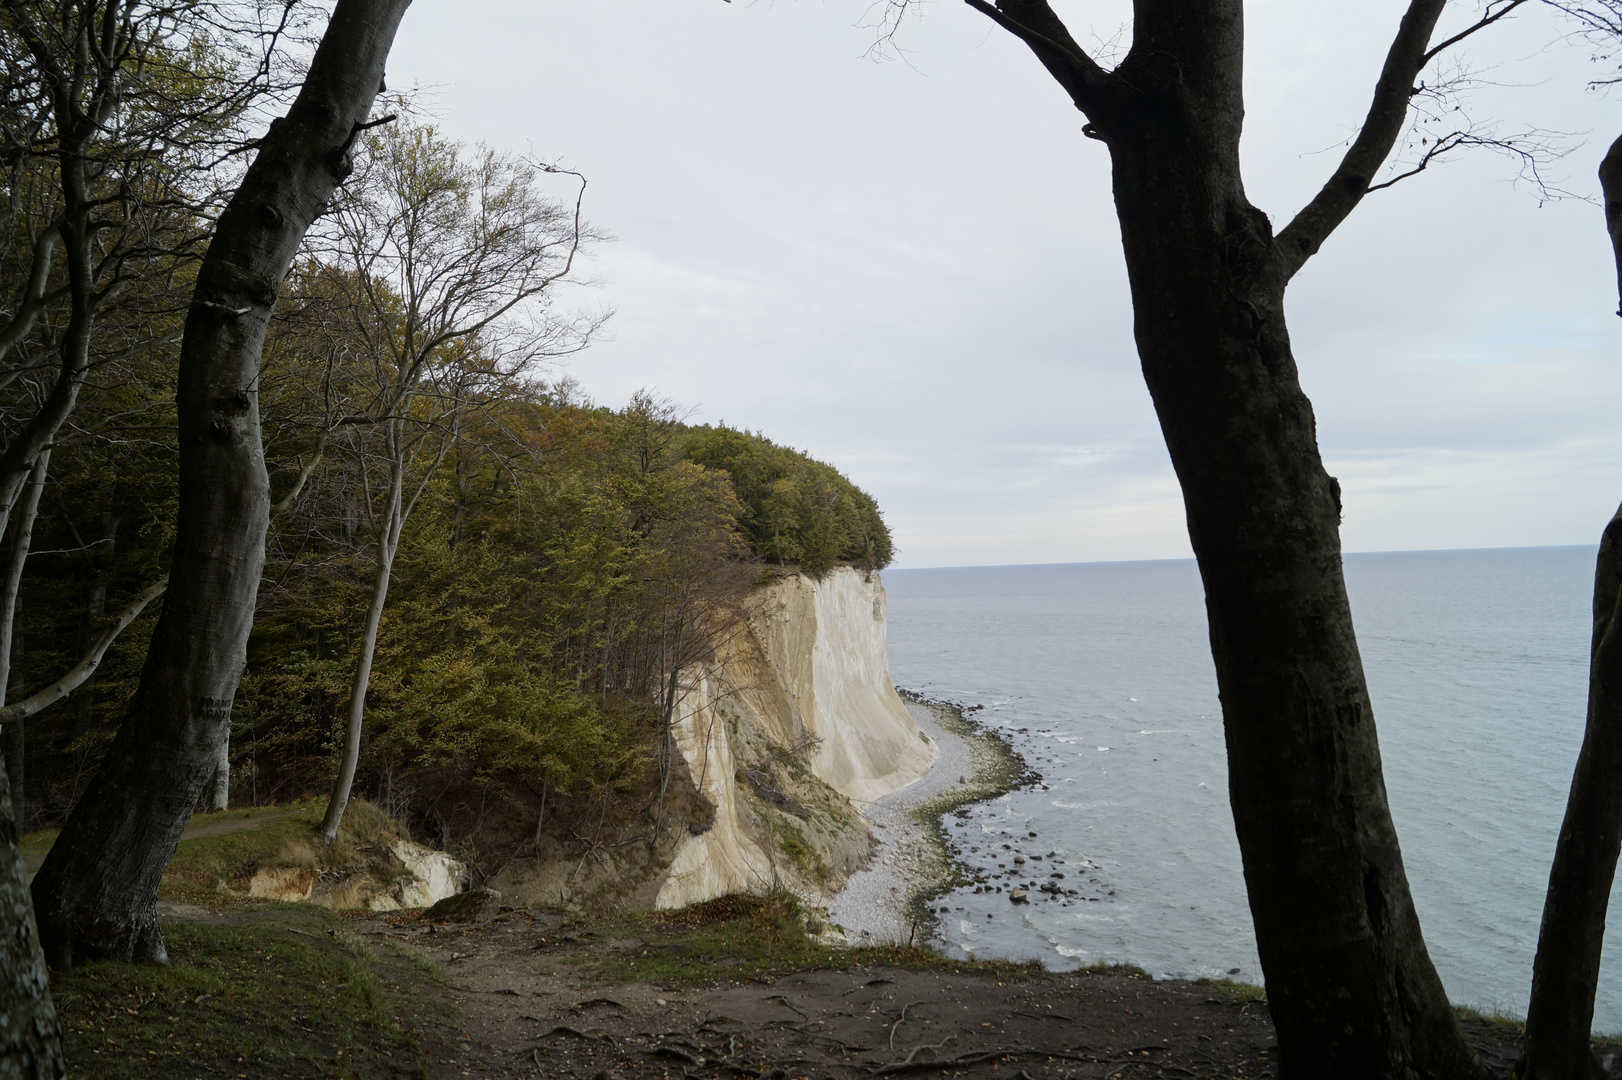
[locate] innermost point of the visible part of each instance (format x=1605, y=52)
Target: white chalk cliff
x=793, y=722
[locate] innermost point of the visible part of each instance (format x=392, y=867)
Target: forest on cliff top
x=499, y=576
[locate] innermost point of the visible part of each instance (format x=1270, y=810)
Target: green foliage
x=797, y=509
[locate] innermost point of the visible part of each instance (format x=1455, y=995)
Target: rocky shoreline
x=888, y=901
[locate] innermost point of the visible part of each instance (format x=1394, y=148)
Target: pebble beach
x=873, y=908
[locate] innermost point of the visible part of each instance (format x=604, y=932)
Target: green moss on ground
x=740, y=937
x=286, y=991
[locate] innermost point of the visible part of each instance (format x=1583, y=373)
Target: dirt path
x=532, y=1005
x=212, y=825
x=538, y=998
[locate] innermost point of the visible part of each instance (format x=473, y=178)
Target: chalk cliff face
x=793, y=725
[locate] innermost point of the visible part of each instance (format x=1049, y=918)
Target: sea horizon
x=1190, y=558
x=1100, y=673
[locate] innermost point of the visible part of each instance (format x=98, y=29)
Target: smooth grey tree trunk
x=388, y=543
x=22, y=537
x=1565, y=974
x=96, y=894
x=396, y=512
x=217, y=792
x=1350, y=984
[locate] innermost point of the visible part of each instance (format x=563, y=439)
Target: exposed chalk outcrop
x=793, y=720
x=429, y=876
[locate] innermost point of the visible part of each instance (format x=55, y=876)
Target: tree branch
x=1047, y=36
x=304, y=474
x=1480, y=24
x=86, y=667
x=1302, y=237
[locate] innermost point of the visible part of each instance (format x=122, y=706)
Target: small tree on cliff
x=445, y=262
x=1350, y=984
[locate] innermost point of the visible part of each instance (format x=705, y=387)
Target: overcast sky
x=911, y=267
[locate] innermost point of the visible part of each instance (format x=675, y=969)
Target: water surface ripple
x=1477, y=662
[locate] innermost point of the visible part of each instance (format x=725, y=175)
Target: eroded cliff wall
x=786, y=732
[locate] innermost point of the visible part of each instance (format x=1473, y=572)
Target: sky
x=907, y=263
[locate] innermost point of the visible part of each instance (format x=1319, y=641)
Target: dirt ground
x=535, y=1001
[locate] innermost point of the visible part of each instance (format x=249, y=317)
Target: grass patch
x=212, y=861
x=283, y=991
x=203, y=866
x=34, y=845
x=742, y=937
x=1227, y=989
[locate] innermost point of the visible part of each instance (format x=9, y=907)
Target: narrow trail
x=206, y=827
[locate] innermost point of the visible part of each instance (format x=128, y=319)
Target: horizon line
x=1190, y=558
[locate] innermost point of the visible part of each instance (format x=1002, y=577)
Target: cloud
x=912, y=269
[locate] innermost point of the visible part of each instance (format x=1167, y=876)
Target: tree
x=95, y=895
x=30, y=1035
x=1350, y=984
x=446, y=265
x=115, y=117
x=1565, y=972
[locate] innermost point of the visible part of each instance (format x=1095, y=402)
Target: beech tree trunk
x=96, y=894
x=30, y=1036
x=22, y=537
x=388, y=542
x=1560, y=1018
x=1565, y=974
x=1350, y=984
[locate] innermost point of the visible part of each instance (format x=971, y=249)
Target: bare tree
x=446, y=261
x=96, y=894
x=1350, y=983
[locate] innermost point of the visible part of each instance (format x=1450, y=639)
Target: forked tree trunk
x=30, y=1036
x=1560, y=1017
x=96, y=893
x=1350, y=984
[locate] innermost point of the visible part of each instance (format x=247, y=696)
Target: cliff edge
x=790, y=728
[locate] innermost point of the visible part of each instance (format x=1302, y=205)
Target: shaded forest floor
x=729, y=989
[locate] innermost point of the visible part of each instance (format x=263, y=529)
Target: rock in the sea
x=1015, y=896
x=476, y=905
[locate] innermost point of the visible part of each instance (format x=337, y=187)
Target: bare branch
x=1040, y=28
x=1302, y=237
x=86, y=667
x=1482, y=23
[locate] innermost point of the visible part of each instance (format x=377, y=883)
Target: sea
x=1100, y=675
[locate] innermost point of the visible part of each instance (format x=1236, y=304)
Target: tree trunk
x=22, y=536
x=388, y=542
x=1350, y=984
x=217, y=792
x=1566, y=972
x=1564, y=975
x=96, y=893
x=30, y=1036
